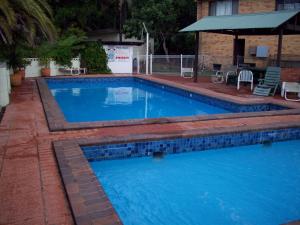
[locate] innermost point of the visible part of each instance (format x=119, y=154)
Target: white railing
x=164, y=64
x=5, y=87
x=179, y=65
x=34, y=67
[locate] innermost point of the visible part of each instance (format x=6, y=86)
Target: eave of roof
x=245, y=24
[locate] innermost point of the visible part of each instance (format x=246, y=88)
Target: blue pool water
x=123, y=99
x=240, y=185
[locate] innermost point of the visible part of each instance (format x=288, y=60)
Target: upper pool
x=109, y=99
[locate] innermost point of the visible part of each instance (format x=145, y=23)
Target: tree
x=158, y=16
x=87, y=15
x=94, y=58
x=25, y=18
x=163, y=19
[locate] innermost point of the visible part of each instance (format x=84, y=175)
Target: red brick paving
x=31, y=191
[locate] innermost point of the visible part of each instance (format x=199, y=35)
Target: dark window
x=287, y=4
x=223, y=7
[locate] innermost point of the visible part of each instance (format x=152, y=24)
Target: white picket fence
x=5, y=87
x=34, y=67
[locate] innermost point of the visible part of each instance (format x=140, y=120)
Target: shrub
x=94, y=58
x=67, y=47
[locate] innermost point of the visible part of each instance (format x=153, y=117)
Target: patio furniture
x=187, y=72
x=218, y=78
x=290, y=87
x=231, y=75
x=245, y=76
x=219, y=75
x=72, y=70
x=269, y=84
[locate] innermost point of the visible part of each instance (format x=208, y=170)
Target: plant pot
x=16, y=79
x=45, y=72
x=22, y=72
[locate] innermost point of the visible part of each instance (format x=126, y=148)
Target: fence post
x=151, y=61
x=147, y=54
x=138, y=64
x=181, y=63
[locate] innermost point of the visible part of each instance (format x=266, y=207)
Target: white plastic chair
x=218, y=78
x=290, y=87
x=245, y=76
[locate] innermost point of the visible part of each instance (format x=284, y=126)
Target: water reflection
x=76, y=91
x=119, y=96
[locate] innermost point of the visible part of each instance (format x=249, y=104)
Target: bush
x=94, y=58
x=15, y=54
x=67, y=47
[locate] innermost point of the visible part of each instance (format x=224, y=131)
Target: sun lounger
x=269, y=84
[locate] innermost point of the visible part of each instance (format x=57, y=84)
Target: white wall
x=119, y=58
x=4, y=85
x=34, y=68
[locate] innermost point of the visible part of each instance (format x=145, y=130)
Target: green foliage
x=28, y=19
x=163, y=19
x=64, y=49
x=86, y=14
x=14, y=54
x=94, y=58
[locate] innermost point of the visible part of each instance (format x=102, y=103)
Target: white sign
x=119, y=58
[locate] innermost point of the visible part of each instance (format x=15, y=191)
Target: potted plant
x=44, y=53
x=62, y=51
x=15, y=57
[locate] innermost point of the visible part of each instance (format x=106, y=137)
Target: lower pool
x=256, y=184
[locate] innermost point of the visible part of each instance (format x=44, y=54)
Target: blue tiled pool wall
x=197, y=143
x=230, y=106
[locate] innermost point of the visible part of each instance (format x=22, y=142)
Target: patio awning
x=249, y=24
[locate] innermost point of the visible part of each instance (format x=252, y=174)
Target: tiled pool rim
x=57, y=122
x=88, y=201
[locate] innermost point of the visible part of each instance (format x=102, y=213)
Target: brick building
x=220, y=47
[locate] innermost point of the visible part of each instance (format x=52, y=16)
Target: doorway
x=238, y=51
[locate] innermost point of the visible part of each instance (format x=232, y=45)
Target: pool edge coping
x=56, y=120
x=79, y=179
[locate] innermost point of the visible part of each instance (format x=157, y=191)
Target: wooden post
x=279, y=49
x=235, y=56
x=196, y=58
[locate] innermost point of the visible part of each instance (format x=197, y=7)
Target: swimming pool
x=127, y=98
x=255, y=184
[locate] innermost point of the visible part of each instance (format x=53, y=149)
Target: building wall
x=221, y=46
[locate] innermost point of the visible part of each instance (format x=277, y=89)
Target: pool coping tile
x=56, y=120
x=86, y=196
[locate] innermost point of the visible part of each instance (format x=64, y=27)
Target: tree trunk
x=165, y=48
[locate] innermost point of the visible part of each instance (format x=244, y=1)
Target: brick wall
x=221, y=46
x=290, y=74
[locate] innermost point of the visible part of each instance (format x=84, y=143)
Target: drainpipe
x=196, y=58
x=279, y=49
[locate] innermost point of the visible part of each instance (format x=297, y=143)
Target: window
x=223, y=7
x=287, y=4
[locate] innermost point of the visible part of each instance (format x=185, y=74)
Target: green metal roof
x=228, y=24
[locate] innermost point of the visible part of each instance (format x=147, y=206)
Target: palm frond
x=33, y=9
x=5, y=31
x=8, y=12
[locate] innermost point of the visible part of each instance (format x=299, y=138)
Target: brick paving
x=31, y=190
